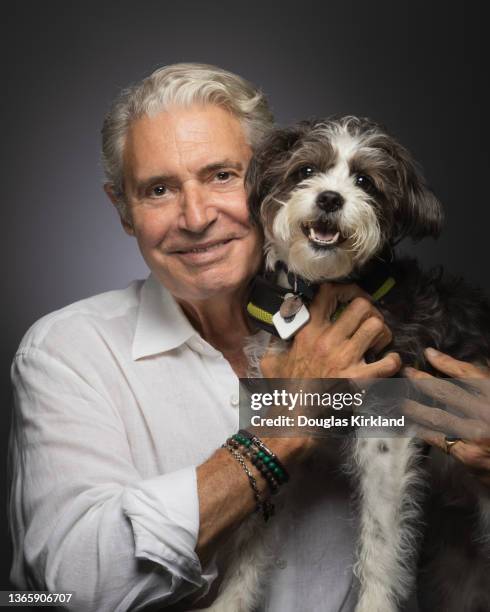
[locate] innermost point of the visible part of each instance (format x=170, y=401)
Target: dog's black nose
x=329, y=201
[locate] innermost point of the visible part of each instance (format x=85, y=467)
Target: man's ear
x=120, y=207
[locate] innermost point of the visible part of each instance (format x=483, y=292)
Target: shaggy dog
x=334, y=197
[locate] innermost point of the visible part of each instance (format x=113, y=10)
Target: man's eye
x=305, y=172
x=365, y=182
x=223, y=176
x=158, y=191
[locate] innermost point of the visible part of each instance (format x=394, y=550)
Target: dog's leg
x=387, y=475
x=249, y=561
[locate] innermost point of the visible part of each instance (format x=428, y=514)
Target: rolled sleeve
x=164, y=515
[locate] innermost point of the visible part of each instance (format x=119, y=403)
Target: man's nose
x=197, y=211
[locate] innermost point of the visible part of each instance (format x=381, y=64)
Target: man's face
x=183, y=179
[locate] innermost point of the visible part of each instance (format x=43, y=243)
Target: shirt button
x=234, y=401
x=195, y=344
x=281, y=563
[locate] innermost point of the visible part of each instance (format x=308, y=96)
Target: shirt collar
x=160, y=323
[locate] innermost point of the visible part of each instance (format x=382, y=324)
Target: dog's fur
x=362, y=192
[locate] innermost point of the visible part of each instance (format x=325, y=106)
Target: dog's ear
x=267, y=164
x=418, y=213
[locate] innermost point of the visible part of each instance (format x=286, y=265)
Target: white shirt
x=118, y=399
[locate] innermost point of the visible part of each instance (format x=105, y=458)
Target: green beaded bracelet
x=247, y=439
x=267, y=467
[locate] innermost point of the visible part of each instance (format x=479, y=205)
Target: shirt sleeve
x=82, y=518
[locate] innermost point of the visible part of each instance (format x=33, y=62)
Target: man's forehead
x=183, y=140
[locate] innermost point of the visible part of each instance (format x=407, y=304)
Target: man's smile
x=201, y=247
x=204, y=253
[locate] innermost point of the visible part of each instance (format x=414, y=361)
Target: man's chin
x=208, y=288
x=205, y=284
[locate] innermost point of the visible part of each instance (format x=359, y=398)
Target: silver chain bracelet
x=266, y=507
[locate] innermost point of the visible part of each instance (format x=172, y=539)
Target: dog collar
x=299, y=285
x=266, y=296
x=377, y=278
x=264, y=301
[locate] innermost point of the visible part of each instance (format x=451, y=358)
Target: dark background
x=418, y=67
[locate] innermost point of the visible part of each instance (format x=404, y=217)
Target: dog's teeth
x=324, y=238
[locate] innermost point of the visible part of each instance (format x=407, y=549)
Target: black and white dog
x=333, y=198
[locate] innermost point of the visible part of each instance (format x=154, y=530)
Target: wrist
x=290, y=450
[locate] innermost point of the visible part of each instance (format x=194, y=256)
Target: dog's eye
x=366, y=183
x=305, y=172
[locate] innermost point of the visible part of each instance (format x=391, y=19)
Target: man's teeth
x=326, y=237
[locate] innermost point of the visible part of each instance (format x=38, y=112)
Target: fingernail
x=431, y=352
x=408, y=370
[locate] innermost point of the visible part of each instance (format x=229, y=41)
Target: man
x=121, y=492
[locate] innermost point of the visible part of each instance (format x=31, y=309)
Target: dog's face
x=331, y=194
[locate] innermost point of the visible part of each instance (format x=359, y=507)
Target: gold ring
x=449, y=442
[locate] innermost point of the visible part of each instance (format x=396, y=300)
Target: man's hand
x=336, y=350
x=471, y=428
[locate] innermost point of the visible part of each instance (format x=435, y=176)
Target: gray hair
x=181, y=85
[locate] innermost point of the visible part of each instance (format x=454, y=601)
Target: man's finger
x=359, y=310
x=328, y=299
x=432, y=437
x=450, y=394
x=383, y=340
x=384, y=368
x=474, y=455
x=368, y=335
x=440, y=420
x=454, y=367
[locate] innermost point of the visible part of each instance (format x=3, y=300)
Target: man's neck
x=221, y=321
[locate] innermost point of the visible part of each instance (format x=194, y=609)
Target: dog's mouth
x=323, y=233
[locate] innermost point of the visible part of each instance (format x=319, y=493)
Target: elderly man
x=121, y=492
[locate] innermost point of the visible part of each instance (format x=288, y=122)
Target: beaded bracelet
x=266, y=507
x=262, y=467
x=265, y=454
x=249, y=453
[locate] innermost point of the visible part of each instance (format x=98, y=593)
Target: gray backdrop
x=419, y=67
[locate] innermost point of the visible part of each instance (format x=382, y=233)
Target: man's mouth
x=202, y=248
x=323, y=233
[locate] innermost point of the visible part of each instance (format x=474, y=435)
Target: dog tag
x=290, y=306
x=286, y=329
